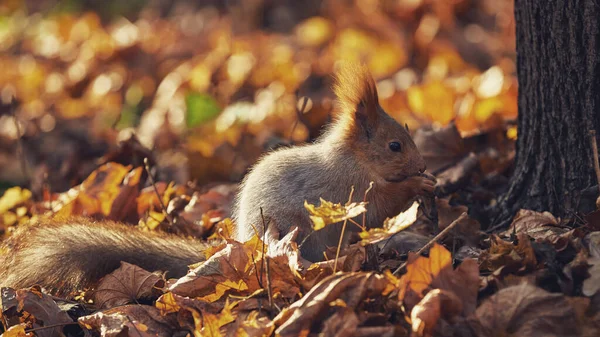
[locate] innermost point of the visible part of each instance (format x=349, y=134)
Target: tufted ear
x=357, y=97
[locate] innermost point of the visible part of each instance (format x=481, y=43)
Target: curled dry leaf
x=342, y=323
x=328, y=213
x=36, y=308
x=435, y=305
x=391, y=226
x=525, y=310
x=591, y=285
x=128, y=321
x=510, y=258
x=209, y=324
x=95, y=195
x=352, y=288
x=127, y=284
x=240, y=268
x=541, y=227
x=351, y=259
x=467, y=229
x=436, y=272
x=251, y=324
x=440, y=148
x=125, y=203
x=457, y=175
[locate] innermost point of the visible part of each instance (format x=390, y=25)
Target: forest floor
x=151, y=115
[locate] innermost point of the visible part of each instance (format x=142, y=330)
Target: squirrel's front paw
x=423, y=184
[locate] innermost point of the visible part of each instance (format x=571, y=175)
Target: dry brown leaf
x=541, y=227
x=209, y=324
x=588, y=315
x=95, y=195
x=440, y=148
x=125, y=203
x=467, y=229
x=131, y=320
x=351, y=259
x=239, y=267
x=251, y=324
x=436, y=272
x=352, y=288
x=127, y=284
x=435, y=305
x=525, y=310
x=36, y=308
x=341, y=323
x=509, y=257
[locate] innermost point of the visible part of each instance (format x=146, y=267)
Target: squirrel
x=363, y=145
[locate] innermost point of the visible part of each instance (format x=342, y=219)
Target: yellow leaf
x=329, y=213
x=13, y=196
x=391, y=226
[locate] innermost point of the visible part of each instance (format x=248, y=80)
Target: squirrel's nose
x=423, y=168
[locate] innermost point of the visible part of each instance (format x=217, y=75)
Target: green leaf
x=200, y=108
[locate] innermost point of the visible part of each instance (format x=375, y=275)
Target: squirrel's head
x=378, y=141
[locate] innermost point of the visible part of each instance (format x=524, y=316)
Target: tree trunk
x=558, y=68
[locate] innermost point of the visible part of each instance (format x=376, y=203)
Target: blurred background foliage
x=210, y=85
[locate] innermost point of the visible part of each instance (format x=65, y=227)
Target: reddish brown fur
x=64, y=256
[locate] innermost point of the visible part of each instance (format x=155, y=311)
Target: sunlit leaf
x=328, y=213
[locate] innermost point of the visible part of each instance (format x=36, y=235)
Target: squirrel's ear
x=357, y=96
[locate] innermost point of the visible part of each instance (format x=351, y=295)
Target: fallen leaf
x=391, y=226
x=328, y=213
x=436, y=272
x=435, y=305
x=440, y=148
x=36, y=308
x=525, y=310
x=352, y=288
x=131, y=320
x=127, y=284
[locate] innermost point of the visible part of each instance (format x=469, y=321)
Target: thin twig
x=337, y=253
x=50, y=326
x=435, y=239
x=153, y=182
x=20, y=147
x=595, y=155
x=266, y=260
x=364, y=218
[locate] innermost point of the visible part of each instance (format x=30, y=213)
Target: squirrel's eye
x=395, y=146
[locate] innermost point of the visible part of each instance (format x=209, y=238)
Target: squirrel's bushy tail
x=63, y=256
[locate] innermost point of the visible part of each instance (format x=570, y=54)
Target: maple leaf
x=209, y=325
x=436, y=272
x=328, y=213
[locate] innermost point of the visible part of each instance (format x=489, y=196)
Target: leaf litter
x=208, y=110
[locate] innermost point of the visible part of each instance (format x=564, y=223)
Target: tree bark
x=558, y=69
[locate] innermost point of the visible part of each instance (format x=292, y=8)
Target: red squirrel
x=364, y=144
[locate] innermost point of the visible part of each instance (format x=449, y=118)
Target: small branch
x=337, y=253
x=51, y=326
x=153, y=182
x=435, y=239
x=364, y=217
x=266, y=261
x=20, y=147
x=595, y=156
